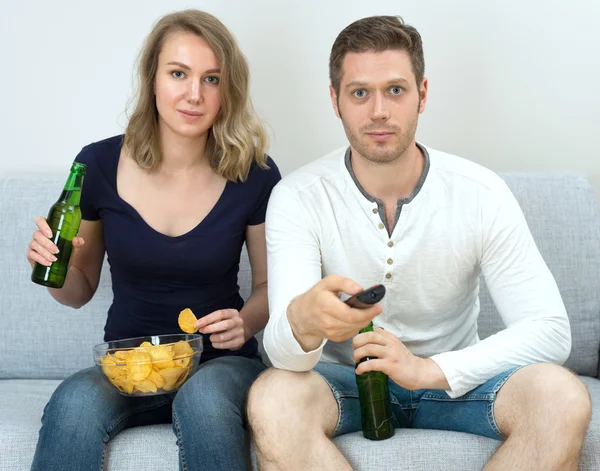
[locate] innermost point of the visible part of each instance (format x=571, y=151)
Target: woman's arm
x=255, y=312
x=229, y=328
x=85, y=266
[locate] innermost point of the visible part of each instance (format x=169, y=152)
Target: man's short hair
x=376, y=33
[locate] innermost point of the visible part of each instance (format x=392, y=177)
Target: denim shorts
x=420, y=409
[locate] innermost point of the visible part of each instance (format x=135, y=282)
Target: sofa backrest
x=41, y=339
x=562, y=213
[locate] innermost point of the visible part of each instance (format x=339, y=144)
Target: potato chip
x=123, y=384
x=121, y=356
x=110, y=368
x=182, y=378
x=161, y=355
x=156, y=378
x=186, y=320
x=182, y=353
x=170, y=375
x=139, y=365
x=144, y=386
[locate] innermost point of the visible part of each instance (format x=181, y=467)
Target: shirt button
x=390, y=244
x=381, y=226
x=375, y=210
x=388, y=275
x=390, y=261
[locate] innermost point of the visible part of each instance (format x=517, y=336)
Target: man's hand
x=319, y=313
x=226, y=327
x=395, y=360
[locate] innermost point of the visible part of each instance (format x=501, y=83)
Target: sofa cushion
x=153, y=448
x=21, y=406
x=562, y=213
x=423, y=449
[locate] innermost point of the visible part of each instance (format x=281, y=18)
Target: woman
x=171, y=202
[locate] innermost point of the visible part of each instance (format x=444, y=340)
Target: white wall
x=514, y=85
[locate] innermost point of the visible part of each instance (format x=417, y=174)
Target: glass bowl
x=149, y=366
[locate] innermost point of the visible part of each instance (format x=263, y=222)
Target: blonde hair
x=237, y=139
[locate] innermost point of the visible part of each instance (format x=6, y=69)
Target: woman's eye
x=178, y=74
x=213, y=80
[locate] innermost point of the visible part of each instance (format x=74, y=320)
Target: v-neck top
x=155, y=276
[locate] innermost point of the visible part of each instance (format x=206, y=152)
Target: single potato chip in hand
x=186, y=320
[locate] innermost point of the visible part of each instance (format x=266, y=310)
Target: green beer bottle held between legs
x=64, y=219
x=375, y=405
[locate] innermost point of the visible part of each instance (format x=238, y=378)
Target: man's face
x=379, y=103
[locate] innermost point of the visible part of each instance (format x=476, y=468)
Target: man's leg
x=544, y=411
x=294, y=415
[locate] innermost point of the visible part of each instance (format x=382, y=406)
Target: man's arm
x=526, y=296
x=294, y=266
x=304, y=309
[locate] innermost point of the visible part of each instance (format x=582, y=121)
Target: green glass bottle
x=375, y=406
x=64, y=219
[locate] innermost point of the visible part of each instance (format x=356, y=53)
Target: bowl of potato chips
x=148, y=366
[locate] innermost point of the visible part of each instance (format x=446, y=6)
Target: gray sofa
x=42, y=342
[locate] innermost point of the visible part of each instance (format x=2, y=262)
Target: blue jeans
x=207, y=414
x=423, y=408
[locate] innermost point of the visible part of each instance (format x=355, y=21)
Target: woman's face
x=187, y=86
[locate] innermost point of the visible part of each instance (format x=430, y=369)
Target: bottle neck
x=71, y=193
x=368, y=328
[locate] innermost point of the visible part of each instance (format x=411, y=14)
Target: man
x=425, y=224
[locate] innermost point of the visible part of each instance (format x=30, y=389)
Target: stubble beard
x=382, y=152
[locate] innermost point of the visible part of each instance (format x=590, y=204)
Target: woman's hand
x=226, y=328
x=41, y=249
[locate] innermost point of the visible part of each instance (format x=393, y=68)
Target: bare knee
x=544, y=396
x=270, y=393
x=283, y=402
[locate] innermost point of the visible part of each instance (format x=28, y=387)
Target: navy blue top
x=155, y=276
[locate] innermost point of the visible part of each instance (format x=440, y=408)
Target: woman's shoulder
x=260, y=175
x=103, y=153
